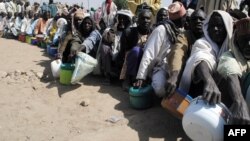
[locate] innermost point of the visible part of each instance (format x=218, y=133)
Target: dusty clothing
x=3, y=23
x=41, y=26
x=206, y=50
x=130, y=41
x=233, y=62
x=25, y=24
x=156, y=50
x=109, y=50
x=91, y=42
x=2, y=7
x=64, y=43
x=53, y=9
x=157, y=42
x=210, y=5
x=31, y=26
x=180, y=51
x=108, y=17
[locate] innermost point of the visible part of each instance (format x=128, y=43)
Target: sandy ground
x=34, y=109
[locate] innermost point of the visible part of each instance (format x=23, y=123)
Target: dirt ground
x=36, y=107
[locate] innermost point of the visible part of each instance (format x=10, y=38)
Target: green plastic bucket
x=66, y=73
x=43, y=44
x=141, y=98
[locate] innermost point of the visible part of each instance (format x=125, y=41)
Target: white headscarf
x=206, y=50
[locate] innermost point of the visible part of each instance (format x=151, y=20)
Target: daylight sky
x=92, y=3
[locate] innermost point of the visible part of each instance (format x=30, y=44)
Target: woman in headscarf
x=202, y=63
x=234, y=67
x=86, y=38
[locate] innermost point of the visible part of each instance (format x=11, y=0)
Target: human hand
x=74, y=50
x=171, y=85
x=138, y=83
x=211, y=93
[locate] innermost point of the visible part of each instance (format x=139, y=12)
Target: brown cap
x=176, y=10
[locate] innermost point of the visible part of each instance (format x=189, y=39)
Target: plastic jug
x=55, y=68
x=66, y=72
x=53, y=51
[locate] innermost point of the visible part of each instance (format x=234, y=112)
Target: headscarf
x=206, y=50
x=233, y=62
x=228, y=22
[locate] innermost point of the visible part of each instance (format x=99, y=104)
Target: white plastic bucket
x=55, y=68
x=203, y=122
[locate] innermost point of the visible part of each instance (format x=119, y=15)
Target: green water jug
x=141, y=98
x=66, y=73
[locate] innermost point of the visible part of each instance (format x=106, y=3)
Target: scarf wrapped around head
x=233, y=62
x=204, y=49
x=108, y=3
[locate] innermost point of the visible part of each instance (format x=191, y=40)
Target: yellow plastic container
x=177, y=103
x=28, y=39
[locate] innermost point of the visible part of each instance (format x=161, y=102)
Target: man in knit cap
x=177, y=14
x=234, y=67
x=181, y=50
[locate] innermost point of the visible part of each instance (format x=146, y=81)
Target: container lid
x=183, y=93
x=53, y=47
x=134, y=91
x=68, y=66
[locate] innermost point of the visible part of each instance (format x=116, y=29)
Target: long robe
x=206, y=50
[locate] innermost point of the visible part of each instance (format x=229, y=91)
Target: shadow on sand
x=154, y=122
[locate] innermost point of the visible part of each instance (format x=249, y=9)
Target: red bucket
x=22, y=38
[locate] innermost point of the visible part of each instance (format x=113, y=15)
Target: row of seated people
x=205, y=55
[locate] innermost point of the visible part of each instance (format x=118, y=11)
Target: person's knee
x=159, y=89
